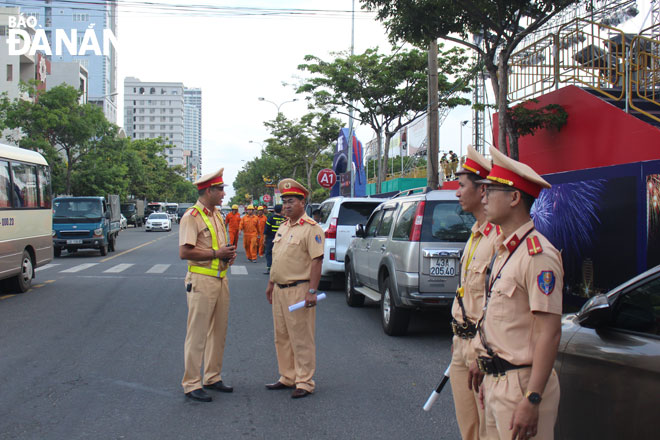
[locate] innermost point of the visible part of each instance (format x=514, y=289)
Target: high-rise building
x=192, y=140
x=155, y=109
x=97, y=16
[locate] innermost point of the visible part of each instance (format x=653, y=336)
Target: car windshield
x=128, y=208
x=158, y=217
x=85, y=208
x=446, y=221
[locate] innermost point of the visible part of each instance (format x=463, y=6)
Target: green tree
x=55, y=122
x=502, y=24
x=386, y=92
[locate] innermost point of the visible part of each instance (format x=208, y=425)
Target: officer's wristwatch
x=312, y=291
x=533, y=397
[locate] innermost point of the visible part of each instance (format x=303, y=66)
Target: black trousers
x=268, y=245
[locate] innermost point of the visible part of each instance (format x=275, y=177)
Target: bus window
x=5, y=185
x=25, y=185
x=45, y=195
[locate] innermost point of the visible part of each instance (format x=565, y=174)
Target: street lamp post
x=278, y=106
x=255, y=142
x=460, y=147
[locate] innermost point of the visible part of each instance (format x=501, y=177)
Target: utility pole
x=350, y=115
x=433, y=127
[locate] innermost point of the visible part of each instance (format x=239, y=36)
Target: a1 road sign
x=266, y=198
x=326, y=178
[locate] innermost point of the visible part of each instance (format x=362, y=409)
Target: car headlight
x=98, y=231
x=54, y=233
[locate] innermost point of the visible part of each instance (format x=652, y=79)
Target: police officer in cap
x=203, y=241
x=294, y=277
x=520, y=329
x=469, y=300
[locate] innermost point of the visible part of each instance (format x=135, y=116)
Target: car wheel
x=353, y=298
x=23, y=280
x=104, y=250
x=394, y=319
x=57, y=251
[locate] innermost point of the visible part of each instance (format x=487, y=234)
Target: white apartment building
x=193, y=130
x=156, y=109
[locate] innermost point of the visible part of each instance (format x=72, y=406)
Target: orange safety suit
x=261, y=219
x=233, y=222
x=250, y=227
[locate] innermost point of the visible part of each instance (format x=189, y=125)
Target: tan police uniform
x=208, y=297
x=467, y=309
x=294, y=248
x=526, y=277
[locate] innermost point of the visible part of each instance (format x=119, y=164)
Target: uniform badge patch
x=318, y=238
x=546, y=281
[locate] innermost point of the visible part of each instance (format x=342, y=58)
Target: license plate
x=443, y=267
x=74, y=242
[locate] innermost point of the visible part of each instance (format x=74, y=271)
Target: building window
x=141, y=90
x=152, y=91
x=80, y=17
x=10, y=72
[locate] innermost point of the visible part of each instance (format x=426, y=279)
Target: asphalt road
x=95, y=351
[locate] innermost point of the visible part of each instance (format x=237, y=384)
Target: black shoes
x=300, y=393
x=267, y=271
x=199, y=395
x=277, y=386
x=219, y=386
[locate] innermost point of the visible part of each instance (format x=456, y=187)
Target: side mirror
x=359, y=231
x=107, y=215
x=595, y=313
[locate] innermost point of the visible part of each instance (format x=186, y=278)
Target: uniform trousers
x=233, y=236
x=269, y=251
x=502, y=395
x=208, y=310
x=294, y=337
x=250, y=244
x=469, y=414
x=261, y=245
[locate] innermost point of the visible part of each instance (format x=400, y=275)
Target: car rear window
x=325, y=211
x=356, y=213
x=446, y=221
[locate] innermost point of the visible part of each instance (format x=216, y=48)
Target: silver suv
x=407, y=256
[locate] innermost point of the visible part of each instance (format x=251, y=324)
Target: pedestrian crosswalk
x=129, y=268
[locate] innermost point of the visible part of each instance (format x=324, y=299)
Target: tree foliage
x=501, y=24
x=386, y=92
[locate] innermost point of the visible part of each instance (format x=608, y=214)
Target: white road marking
x=48, y=266
x=118, y=268
x=159, y=268
x=239, y=270
x=78, y=268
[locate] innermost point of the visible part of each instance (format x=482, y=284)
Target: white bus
x=26, y=218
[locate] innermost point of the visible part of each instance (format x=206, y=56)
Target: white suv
x=339, y=216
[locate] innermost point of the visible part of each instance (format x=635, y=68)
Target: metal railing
x=588, y=54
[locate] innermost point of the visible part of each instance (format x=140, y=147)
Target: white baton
x=436, y=393
x=301, y=304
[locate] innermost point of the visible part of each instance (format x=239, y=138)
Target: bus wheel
x=23, y=280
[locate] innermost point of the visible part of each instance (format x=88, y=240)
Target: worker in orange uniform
x=233, y=221
x=250, y=227
x=261, y=219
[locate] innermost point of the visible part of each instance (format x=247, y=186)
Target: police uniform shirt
x=481, y=248
x=294, y=248
x=193, y=231
x=531, y=281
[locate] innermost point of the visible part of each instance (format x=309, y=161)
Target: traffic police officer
x=272, y=225
x=469, y=301
x=203, y=242
x=294, y=277
x=521, y=325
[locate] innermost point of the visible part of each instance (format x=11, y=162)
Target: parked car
x=158, y=221
x=609, y=364
x=407, y=256
x=339, y=216
x=123, y=223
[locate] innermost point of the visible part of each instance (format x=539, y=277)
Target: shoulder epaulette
x=310, y=221
x=193, y=211
x=534, y=245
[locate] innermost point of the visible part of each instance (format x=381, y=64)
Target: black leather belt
x=466, y=330
x=295, y=283
x=496, y=365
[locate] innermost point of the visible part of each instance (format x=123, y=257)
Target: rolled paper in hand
x=301, y=304
x=436, y=393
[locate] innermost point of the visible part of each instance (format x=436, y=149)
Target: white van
x=339, y=216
